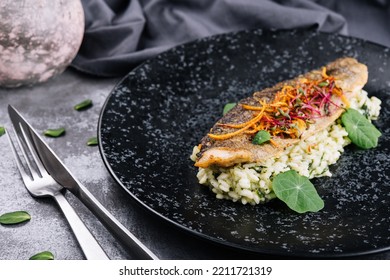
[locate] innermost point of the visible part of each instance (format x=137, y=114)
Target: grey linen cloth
x=121, y=34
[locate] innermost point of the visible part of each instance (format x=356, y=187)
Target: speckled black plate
x=160, y=110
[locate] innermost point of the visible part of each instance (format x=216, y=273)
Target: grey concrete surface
x=50, y=105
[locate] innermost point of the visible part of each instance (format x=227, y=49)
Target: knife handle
x=87, y=242
x=112, y=224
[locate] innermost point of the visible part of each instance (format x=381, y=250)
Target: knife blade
x=64, y=177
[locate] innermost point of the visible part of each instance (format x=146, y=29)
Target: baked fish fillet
x=348, y=76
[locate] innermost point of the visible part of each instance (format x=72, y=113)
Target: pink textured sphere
x=38, y=39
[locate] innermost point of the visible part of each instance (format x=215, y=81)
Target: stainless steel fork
x=40, y=184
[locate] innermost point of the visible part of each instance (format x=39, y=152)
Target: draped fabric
x=121, y=34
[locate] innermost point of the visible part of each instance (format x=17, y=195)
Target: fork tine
x=25, y=135
x=31, y=148
x=23, y=144
x=19, y=164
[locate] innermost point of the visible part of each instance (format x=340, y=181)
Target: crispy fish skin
x=350, y=76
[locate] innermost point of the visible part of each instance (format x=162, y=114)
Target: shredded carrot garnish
x=339, y=93
x=253, y=108
x=294, y=107
x=273, y=143
x=324, y=75
x=308, y=149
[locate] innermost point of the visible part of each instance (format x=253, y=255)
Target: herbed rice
x=251, y=182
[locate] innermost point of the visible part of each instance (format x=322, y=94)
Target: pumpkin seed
x=83, y=105
x=93, y=141
x=45, y=255
x=54, y=132
x=15, y=217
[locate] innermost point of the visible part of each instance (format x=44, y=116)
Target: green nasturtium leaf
x=93, y=141
x=228, y=107
x=15, y=217
x=360, y=130
x=297, y=192
x=261, y=137
x=83, y=105
x=54, y=132
x=45, y=255
x=2, y=131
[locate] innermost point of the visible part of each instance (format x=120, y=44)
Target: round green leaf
x=228, y=107
x=261, y=137
x=297, y=192
x=361, y=132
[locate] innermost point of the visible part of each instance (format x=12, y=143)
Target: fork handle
x=88, y=243
x=112, y=224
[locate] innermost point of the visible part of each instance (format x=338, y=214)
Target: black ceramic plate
x=159, y=111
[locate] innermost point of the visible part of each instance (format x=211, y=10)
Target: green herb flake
x=285, y=114
x=261, y=137
x=2, y=131
x=93, y=141
x=83, y=105
x=228, y=107
x=45, y=255
x=297, y=192
x=15, y=217
x=360, y=130
x=323, y=84
x=54, y=132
